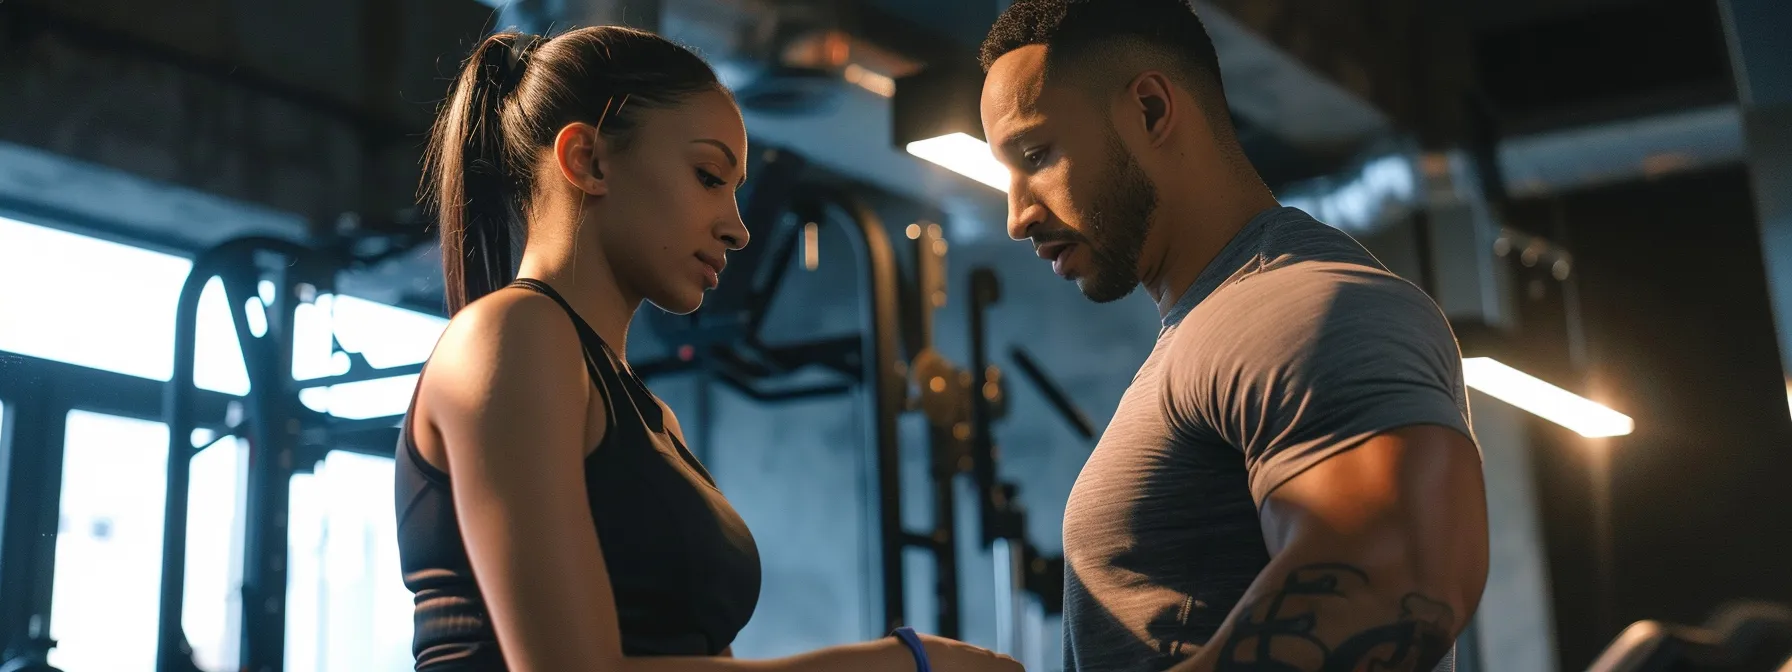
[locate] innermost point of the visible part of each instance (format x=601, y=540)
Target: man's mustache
x=1047, y=237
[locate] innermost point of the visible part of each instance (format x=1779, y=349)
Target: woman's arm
x=507, y=395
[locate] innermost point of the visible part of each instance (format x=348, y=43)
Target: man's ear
x=1150, y=98
x=580, y=152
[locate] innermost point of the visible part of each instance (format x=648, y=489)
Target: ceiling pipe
x=1379, y=190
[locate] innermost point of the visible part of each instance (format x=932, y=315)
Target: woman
x=550, y=517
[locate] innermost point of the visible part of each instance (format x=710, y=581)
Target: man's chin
x=1098, y=291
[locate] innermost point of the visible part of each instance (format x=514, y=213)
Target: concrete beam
x=312, y=110
x=1330, y=75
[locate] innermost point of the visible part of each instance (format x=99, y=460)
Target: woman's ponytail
x=468, y=171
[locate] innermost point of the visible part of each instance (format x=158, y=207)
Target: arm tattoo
x=1277, y=633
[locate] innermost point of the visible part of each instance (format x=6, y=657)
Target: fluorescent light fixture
x=964, y=155
x=1547, y=401
x=871, y=80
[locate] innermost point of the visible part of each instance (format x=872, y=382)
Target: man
x=1290, y=483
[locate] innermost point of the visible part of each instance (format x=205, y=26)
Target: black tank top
x=682, y=564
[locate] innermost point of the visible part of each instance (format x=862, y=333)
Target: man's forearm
x=1314, y=614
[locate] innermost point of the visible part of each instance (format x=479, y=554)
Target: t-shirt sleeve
x=1299, y=364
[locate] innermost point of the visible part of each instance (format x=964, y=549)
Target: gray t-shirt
x=1294, y=345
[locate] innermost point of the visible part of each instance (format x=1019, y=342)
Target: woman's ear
x=579, y=152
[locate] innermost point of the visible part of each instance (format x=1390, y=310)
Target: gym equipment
x=1019, y=565
x=284, y=437
x=33, y=656
x=892, y=354
x=1742, y=637
x=722, y=340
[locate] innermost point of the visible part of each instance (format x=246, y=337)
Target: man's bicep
x=1416, y=488
x=1317, y=363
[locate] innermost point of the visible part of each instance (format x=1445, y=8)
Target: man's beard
x=1117, y=225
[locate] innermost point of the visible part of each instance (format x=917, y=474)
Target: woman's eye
x=708, y=179
x=1034, y=157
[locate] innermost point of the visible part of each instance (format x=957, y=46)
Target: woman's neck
x=587, y=283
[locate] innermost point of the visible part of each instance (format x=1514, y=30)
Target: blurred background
x=895, y=396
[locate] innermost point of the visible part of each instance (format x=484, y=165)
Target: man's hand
x=1379, y=559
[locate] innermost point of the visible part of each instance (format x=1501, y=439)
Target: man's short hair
x=1082, y=32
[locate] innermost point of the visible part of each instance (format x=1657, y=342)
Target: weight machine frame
x=723, y=341
x=284, y=437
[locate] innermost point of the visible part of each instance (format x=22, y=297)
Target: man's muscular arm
x=1379, y=558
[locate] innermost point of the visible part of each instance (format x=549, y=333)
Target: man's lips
x=1059, y=254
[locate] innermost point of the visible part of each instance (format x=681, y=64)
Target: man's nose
x=1022, y=217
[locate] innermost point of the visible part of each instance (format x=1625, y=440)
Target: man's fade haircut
x=1089, y=32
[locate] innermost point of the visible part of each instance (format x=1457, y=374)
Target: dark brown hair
x=513, y=96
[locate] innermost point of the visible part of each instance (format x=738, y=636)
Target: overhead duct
x=1382, y=189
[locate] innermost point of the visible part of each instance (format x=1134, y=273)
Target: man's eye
x=1034, y=157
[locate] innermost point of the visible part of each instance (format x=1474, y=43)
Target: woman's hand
x=947, y=655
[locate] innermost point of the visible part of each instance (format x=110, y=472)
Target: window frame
x=39, y=395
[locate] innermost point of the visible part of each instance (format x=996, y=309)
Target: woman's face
x=671, y=201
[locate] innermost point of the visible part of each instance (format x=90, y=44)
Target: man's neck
x=1195, y=224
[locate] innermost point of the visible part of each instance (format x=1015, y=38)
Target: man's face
x=1077, y=193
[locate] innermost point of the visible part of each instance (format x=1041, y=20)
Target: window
x=106, y=592
x=109, y=544
x=347, y=607
x=108, y=306
x=384, y=335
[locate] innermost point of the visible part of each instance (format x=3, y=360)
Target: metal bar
x=986, y=291
x=930, y=277
x=263, y=436
x=31, y=451
x=994, y=506
x=777, y=268
x=274, y=432
x=361, y=372
x=945, y=455
x=173, y=654
x=1427, y=257
x=773, y=181
x=1008, y=576
x=102, y=391
x=887, y=388
x=912, y=540
x=737, y=363
x=929, y=294
x=736, y=384
x=1053, y=393
x=342, y=427
x=378, y=443
x=799, y=394
x=840, y=354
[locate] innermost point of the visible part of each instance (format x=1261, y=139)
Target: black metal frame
x=1742, y=636
x=728, y=349
x=958, y=404
x=39, y=396
x=1002, y=516
x=284, y=437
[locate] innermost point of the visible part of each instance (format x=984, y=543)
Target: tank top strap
x=608, y=371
